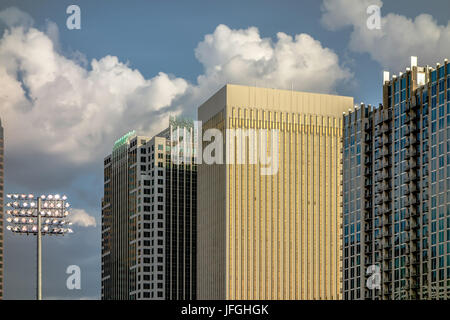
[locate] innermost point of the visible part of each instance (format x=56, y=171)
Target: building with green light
x=149, y=212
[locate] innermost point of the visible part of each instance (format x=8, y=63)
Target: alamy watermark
x=374, y=20
x=74, y=20
x=73, y=282
x=374, y=281
x=242, y=146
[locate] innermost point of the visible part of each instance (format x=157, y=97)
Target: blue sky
x=161, y=35
x=150, y=37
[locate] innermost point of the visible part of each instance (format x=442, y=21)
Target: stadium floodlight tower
x=44, y=215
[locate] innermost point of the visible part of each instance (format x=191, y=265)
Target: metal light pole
x=39, y=251
x=26, y=213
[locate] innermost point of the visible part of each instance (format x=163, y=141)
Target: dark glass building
x=149, y=220
x=396, y=173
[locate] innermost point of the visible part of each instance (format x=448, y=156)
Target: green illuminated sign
x=123, y=140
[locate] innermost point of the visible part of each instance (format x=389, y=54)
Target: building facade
x=149, y=214
x=396, y=176
x=272, y=236
x=2, y=190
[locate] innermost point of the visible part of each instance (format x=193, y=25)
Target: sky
x=67, y=95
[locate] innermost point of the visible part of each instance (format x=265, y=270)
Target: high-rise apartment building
x=2, y=263
x=272, y=236
x=149, y=213
x=396, y=180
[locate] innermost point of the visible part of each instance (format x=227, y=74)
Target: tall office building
x=396, y=181
x=272, y=236
x=1, y=208
x=149, y=213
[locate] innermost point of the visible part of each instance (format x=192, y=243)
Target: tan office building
x=273, y=236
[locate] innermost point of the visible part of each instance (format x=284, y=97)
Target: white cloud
x=14, y=17
x=81, y=218
x=243, y=57
x=67, y=107
x=55, y=106
x=398, y=39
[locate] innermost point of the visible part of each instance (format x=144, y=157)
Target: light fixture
x=25, y=217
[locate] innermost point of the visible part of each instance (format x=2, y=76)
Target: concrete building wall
x=273, y=237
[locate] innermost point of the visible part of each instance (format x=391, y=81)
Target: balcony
x=387, y=234
x=378, y=189
x=387, y=115
x=411, y=176
x=413, y=211
x=387, y=291
x=386, y=244
x=407, y=142
x=386, y=139
x=385, y=209
x=414, y=103
x=407, y=130
x=412, y=200
x=386, y=186
x=413, y=187
x=385, y=128
x=378, y=200
x=386, y=163
x=386, y=198
x=410, y=153
x=411, y=164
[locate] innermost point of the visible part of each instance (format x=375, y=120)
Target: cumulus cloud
x=15, y=17
x=81, y=218
x=69, y=109
x=398, y=39
x=74, y=113
x=243, y=57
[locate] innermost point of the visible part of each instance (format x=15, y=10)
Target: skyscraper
x=272, y=236
x=148, y=220
x=396, y=181
x=1, y=208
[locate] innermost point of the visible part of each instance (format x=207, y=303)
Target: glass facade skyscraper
x=396, y=173
x=149, y=213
